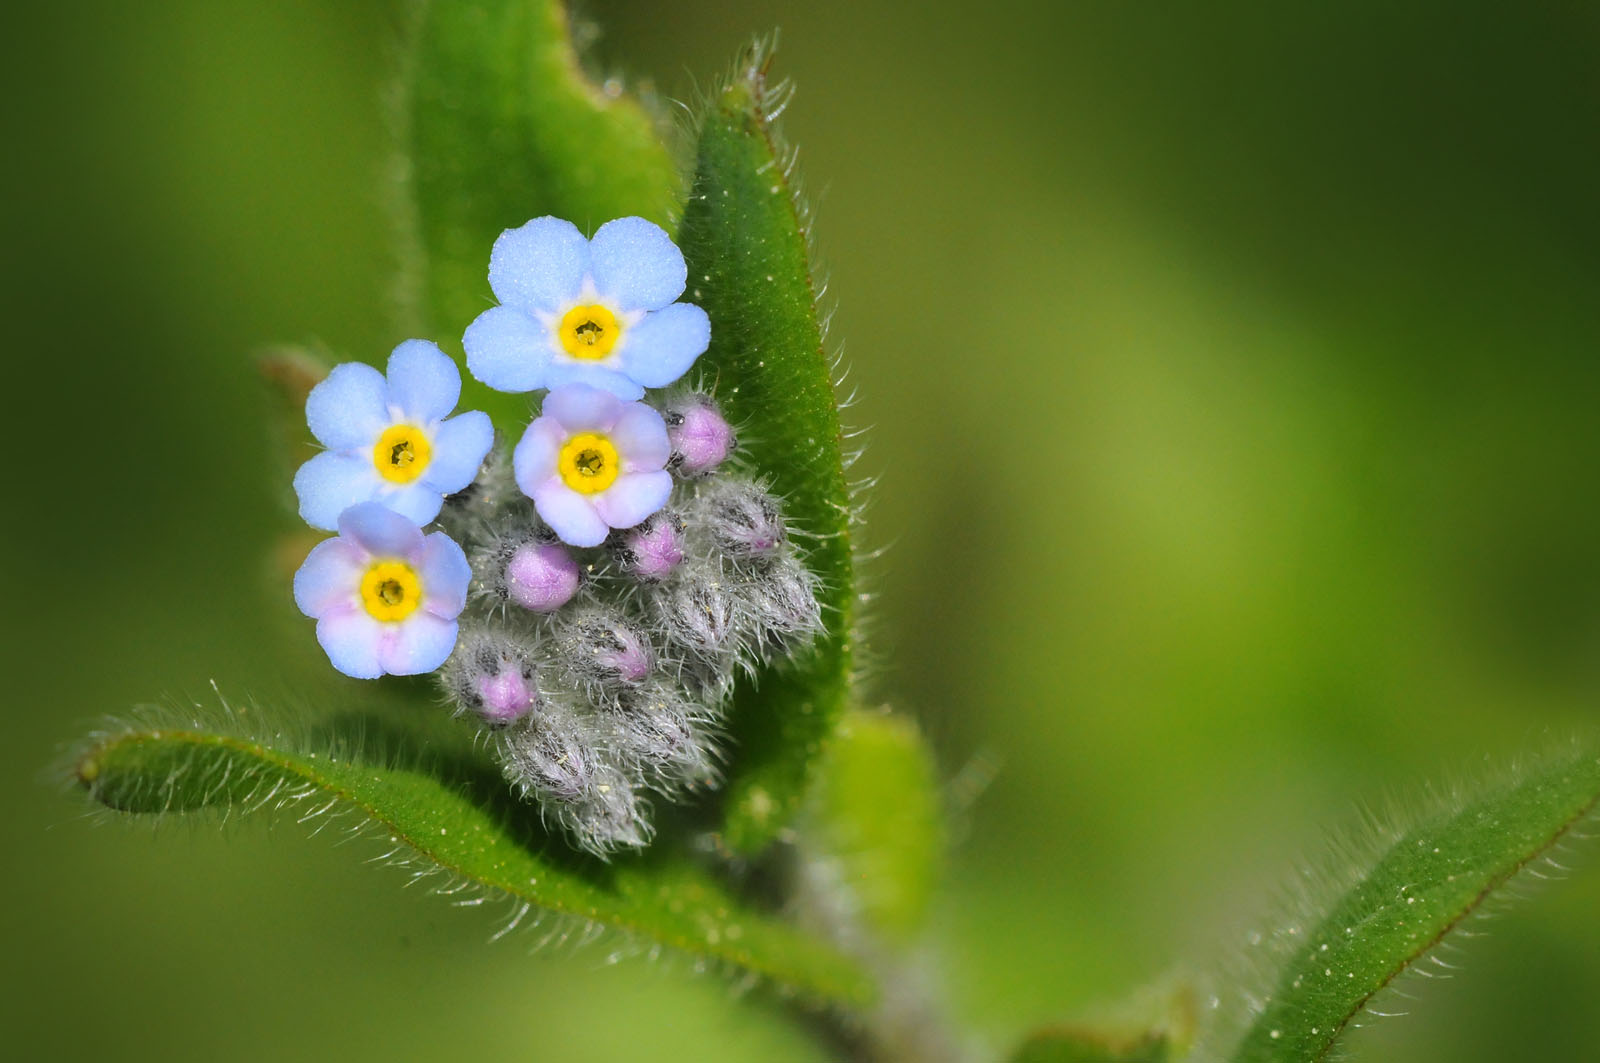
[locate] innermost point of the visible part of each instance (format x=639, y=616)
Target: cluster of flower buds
x=591, y=601
x=604, y=671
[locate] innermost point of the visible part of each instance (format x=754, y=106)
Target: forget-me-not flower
x=601, y=312
x=390, y=440
x=592, y=462
x=384, y=596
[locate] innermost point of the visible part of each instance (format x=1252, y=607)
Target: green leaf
x=1428, y=880
x=875, y=819
x=453, y=815
x=744, y=237
x=1077, y=1046
x=498, y=124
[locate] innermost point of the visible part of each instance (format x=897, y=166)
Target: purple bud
x=541, y=577
x=601, y=649
x=653, y=549
x=490, y=674
x=506, y=695
x=700, y=436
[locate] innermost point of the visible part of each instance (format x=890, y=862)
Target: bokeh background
x=1233, y=377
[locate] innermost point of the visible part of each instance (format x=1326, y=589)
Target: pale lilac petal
x=632, y=498
x=662, y=347
x=331, y=483
x=534, y=460
x=444, y=573
x=636, y=265
x=351, y=638
x=381, y=531
x=562, y=372
x=418, y=502
x=508, y=350
x=641, y=438
x=418, y=644
x=539, y=266
x=424, y=383
x=459, y=447
x=349, y=408
x=570, y=515
x=329, y=578
x=581, y=408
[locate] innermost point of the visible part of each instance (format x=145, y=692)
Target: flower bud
x=492, y=676
x=742, y=520
x=652, y=550
x=782, y=596
x=697, y=612
x=547, y=758
x=600, y=649
x=701, y=438
x=541, y=577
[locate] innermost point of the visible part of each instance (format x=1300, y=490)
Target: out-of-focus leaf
x=1432, y=877
x=444, y=809
x=876, y=822
x=499, y=124
x=744, y=237
x=1076, y=1046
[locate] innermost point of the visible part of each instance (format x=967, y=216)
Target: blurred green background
x=1233, y=378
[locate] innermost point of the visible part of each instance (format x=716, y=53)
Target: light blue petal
x=633, y=497
x=539, y=266
x=662, y=347
x=419, y=644
x=641, y=438
x=349, y=408
x=635, y=265
x=380, y=531
x=570, y=515
x=424, y=383
x=330, y=483
x=581, y=408
x=444, y=572
x=508, y=350
x=534, y=460
x=417, y=502
x=352, y=640
x=329, y=578
x=459, y=447
x=564, y=371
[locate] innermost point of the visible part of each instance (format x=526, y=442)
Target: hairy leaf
x=875, y=819
x=745, y=239
x=454, y=815
x=498, y=125
x=1428, y=880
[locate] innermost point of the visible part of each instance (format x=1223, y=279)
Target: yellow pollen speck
x=589, y=332
x=588, y=463
x=402, y=453
x=390, y=590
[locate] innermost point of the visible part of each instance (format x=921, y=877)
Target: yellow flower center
x=589, y=332
x=390, y=590
x=588, y=463
x=402, y=453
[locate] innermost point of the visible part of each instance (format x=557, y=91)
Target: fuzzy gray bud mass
x=603, y=674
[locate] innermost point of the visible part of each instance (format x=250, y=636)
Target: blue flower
x=388, y=440
x=592, y=462
x=600, y=312
x=385, y=598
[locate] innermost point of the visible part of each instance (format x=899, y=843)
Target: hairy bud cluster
x=603, y=674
